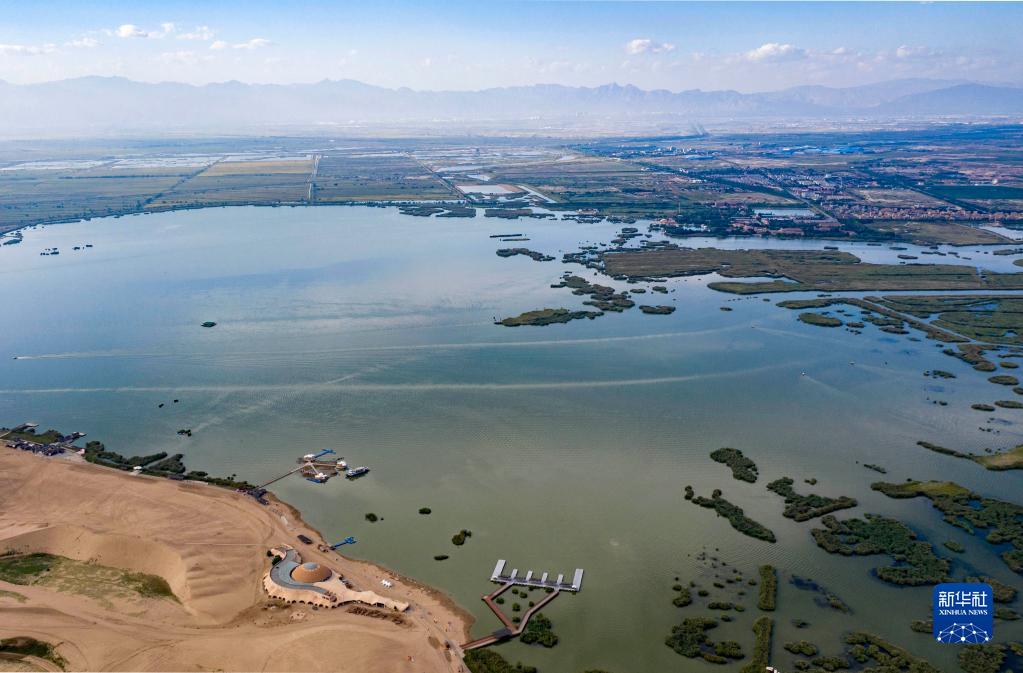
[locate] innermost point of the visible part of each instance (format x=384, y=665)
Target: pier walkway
x=511, y=629
x=509, y=580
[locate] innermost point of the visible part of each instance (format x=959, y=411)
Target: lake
x=559, y=447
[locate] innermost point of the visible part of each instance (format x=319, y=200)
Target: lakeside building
x=292, y=581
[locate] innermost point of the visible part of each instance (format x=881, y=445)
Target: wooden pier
x=511, y=629
x=507, y=581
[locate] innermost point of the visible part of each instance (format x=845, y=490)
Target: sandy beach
x=210, y=545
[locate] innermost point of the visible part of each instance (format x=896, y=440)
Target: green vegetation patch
x=539, y=631
x=916, y=563
x=994, y=319
x=30, y=435
x=487, y=660
x=742, y=467
x=684, y=598
x=30, y=647
x=768, y=592
x=803, y=647
x=460, y=537
x=1010, y=459
x=991, y=657
x=548, y=316
x=762, y=629
x=806, y=507
x=806, y=270
x=690, y=639
x=866, y=648
x=157, y=465
x=1003, y=593
x=970, y=511
x=78, y=577
x=1004, y=380
x=736, y=517
x=819, y=319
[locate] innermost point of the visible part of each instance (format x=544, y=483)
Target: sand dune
x=210, y=545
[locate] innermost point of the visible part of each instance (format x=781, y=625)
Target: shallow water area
x=559, y=447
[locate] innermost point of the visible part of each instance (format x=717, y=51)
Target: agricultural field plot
x=241, y=182
x=935, y=232
x=465, y=160
x=899, y=198
x=980, y=192
x=608, y=185
x=997, y=205
x=268, y=167
x=386, y=176
x=736, y=197
x=41, y=196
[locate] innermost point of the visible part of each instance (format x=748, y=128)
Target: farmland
x=928, y=187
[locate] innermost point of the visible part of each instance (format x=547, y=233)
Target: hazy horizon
x=746, y=47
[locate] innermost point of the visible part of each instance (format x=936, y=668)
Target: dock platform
x=530, y=579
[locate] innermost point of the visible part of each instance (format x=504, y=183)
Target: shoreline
x=399, y=204
x=209, y=543
x=466, y=617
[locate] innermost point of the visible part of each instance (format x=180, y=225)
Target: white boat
x=356, y=472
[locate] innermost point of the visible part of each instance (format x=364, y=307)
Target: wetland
x=385, y=346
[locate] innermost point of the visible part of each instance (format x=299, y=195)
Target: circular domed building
x=310, y=573
x=292, y=581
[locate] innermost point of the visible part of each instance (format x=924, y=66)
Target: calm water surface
x=558, y=447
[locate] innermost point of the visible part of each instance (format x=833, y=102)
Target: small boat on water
x=356, y=472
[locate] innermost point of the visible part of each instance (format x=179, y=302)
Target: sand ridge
x=210, y=545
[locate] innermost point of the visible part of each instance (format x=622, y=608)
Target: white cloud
x=200, y=33
x=129, y=30
x=83, y=43
x=773, y=52
x=905, y=51
x=254, y=43
x=27, y=49
x=644, y=45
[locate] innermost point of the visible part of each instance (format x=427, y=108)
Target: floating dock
x=530, y=579
x=510, y=629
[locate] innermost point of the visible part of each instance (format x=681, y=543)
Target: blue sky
x=471, y=45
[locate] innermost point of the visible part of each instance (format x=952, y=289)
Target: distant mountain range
x=114, y=104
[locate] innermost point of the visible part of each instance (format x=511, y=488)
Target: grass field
x=77, y=577
x=384, y=176
x=810, y=270
x=932, y=233
x=992, y=319
x=978, y=191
